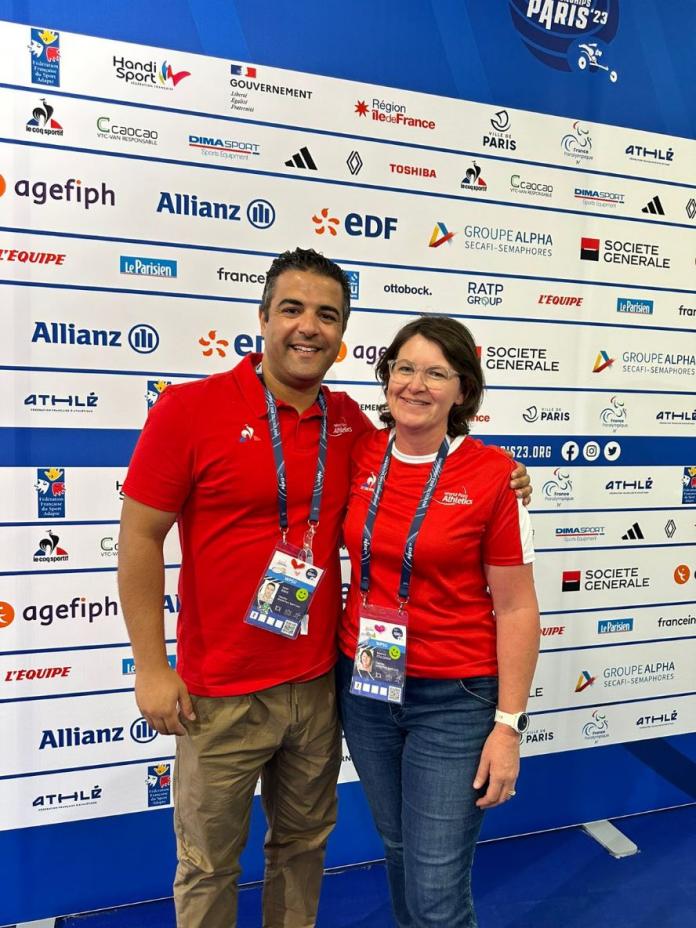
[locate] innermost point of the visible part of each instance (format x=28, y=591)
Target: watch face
x=523, y=723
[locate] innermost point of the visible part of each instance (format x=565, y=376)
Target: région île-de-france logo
x=440, y=235
x=44, y=48
x=7, y=614
x=391, y=112
x=148, y=73
x=42, y=121
x=577, y=144
x=568, y=36
x=50, y=491
x=49, y=551
x=155, y=389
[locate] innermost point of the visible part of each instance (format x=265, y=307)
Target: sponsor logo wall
x=567, y=247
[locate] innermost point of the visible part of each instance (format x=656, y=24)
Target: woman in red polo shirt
x=443, y=596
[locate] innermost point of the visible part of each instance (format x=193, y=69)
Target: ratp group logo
x=568, y=36
x=44, y=46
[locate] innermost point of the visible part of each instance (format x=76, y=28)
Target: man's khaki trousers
x=289, y=736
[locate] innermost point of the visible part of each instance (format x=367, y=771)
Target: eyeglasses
x=403, y=371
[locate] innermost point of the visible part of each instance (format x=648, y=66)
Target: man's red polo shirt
x=205, y=452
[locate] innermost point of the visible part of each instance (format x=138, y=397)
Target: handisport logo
x=147, y=74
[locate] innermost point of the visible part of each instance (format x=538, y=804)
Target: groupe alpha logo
x=71, y=191
x=75, y=736
x=259, y=213
x=141, y=338
x=637, y=254
x=499, y=135
x=354, y=224
x=42, y=121
x=391, y=112
x=149, y=74
x=620, y=675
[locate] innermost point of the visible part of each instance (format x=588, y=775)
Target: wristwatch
x=519, y=721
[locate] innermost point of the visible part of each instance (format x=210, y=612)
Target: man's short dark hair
x=458, y=346
x=305, y=259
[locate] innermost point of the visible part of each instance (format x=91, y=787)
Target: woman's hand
x=499, y=766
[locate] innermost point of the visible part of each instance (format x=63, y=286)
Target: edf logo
x=355, y=224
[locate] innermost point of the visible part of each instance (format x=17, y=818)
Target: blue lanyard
x=416, y=523
x=277, y=445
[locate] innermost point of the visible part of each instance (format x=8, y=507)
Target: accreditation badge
x=284, y=593
x=379, y=668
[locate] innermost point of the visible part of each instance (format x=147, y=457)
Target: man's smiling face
x=303, y=331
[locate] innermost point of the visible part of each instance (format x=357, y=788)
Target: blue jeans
x=417, y=764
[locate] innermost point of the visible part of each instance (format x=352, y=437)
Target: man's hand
x=519, y=481
x=499, y=766
x=162, y=697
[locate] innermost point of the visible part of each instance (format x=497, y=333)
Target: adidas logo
x=302, y=159
x=654, y=206
x=633, y=534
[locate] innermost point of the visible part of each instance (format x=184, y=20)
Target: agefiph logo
x=49, y=551
x=682, y=574
x=155, y=389
x=576, y=144
x=44, y=46
x=571, y=37
x=7, y=614
x=388, y=111
x=147, y=74
x=71, y=191
x=159, y=784
x=354, y=224
x=473, y=180
x=440, y=235
x=42, y=121
x=50, y=492
x=584, y=680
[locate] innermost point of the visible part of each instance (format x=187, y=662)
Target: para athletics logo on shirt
x=455, y=498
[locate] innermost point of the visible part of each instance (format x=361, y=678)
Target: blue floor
x=562, y=879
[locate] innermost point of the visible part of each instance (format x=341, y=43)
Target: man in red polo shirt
x=247, y=462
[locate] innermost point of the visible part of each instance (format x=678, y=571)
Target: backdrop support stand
x=610, y=838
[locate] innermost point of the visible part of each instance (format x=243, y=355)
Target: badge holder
x=379, y=668
x=285, y=592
